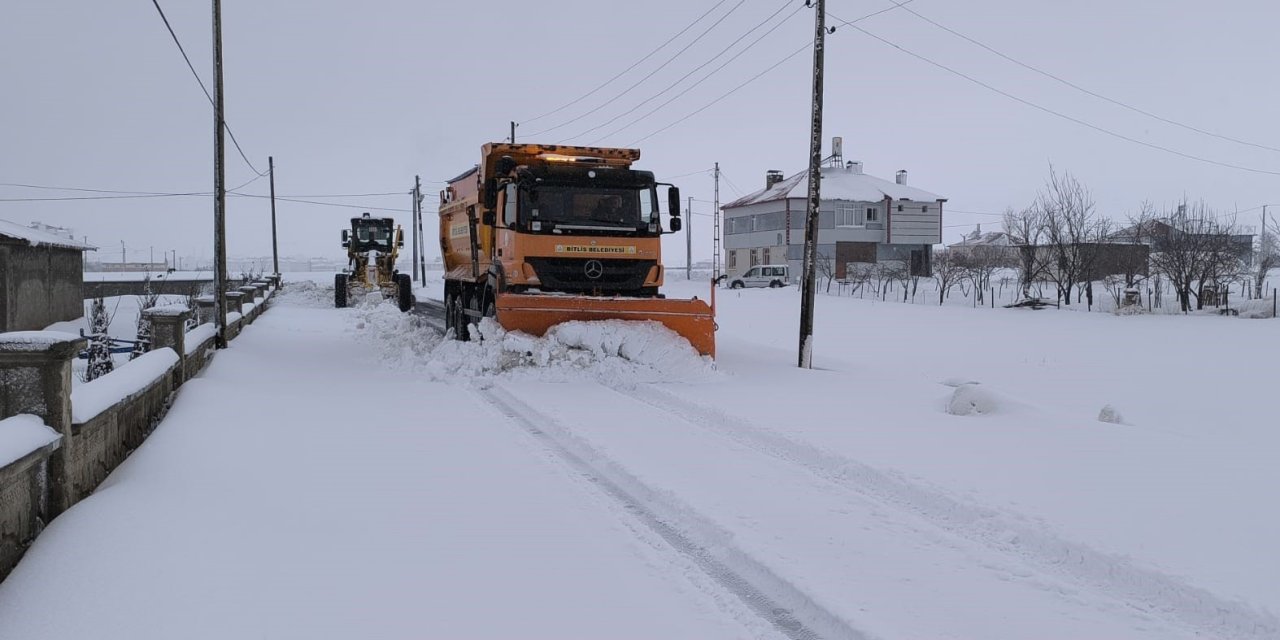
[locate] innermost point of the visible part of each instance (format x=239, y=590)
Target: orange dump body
x=535, y=314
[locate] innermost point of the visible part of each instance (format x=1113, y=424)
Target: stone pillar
x=274, y=280
x=250, y=292
x=169, y=329
x=205, y=309
x=234, y=299
x=35, y=379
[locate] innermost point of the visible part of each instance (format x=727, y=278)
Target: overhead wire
x=646, y=77
x=807, y=45
x=1052, y=112
x=624, y=71
x=1082, y=89
x=673, y=85
x=203, y=88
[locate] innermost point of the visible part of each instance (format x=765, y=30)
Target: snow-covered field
x=944, y=472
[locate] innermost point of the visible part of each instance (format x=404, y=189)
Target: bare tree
x=948, y=269
x=1191, y=247
x=1267, y=256
x=1069, y=224
x=1025, y=230
x=826, y=269
x=979, y=265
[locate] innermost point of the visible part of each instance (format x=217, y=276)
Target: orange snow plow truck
x=536, y=235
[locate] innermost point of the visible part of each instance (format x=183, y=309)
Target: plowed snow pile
x=606, y=351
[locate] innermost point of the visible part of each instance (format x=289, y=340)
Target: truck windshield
x=577, y=207
x=372, y=236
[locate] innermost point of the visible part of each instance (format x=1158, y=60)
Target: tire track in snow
x=1145, y=590
x=790, y=611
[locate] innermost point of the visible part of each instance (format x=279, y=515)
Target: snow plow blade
x=535, y=314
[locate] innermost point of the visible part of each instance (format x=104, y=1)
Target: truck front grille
x=574, y=274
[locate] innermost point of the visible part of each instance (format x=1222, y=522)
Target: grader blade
x=535, y=314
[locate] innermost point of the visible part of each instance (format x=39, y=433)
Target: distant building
x=862, y=219
x=41, y=278
x=996, y=245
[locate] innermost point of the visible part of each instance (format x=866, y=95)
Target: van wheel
x=775, y=284
x=736, y=284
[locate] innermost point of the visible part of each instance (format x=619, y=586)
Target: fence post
x=35, y=379
x=169, y=329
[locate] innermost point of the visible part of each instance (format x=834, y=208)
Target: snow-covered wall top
x=169, y=310
x=34, y=341
x=199, y=335
x=92, y=398
x=22, y=434
x=38, y=238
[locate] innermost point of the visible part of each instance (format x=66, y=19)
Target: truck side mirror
x=673, y=202
x=346, y=235
x=488, y=217
x=675, y=225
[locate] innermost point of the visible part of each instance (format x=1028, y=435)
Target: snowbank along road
x=605, y=481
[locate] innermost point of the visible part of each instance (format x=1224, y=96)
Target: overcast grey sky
x=356, y=98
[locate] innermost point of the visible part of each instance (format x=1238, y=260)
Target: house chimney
x=853, y=166
x=772, y=177
x=902, y=176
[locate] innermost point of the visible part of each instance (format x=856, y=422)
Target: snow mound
x=606, y=351
x=305, y=293
x=1111, y=415
x=971, y=399
x=22, y=434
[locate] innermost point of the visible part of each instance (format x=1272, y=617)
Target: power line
x=726, y=94
x=192, y=67
x=694, y=70
x=650, y=74
x=113, y=197
x=325, y=204
x=1047, y=110
x=691, y=173
x=777, y=64
x=624, y=71
x=1081, y=89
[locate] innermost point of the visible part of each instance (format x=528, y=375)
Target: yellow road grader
x=373, y=244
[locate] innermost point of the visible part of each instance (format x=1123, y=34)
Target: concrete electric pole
x=219, y=189
x=275, y=247
x=809, y=285
x=688, y=240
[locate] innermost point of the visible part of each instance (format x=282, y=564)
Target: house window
x=766, y=256
x=924, y=209
x=755, y=257
x=899, y=207
x=847, y=215
x=733, y=259
x=873, y=214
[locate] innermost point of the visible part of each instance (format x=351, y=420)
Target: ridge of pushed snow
x=606, y=350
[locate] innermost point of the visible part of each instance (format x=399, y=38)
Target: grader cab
x=373, y=244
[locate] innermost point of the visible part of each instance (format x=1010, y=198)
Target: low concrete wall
x=24, y=504
x=183, y=287
x=35, y=368
x=100, y=444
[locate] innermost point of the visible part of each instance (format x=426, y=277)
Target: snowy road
x=345, y=473
x=300, y=489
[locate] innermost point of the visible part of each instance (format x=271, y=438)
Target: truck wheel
x=404, y=291
x=462, y=303
x=340, y=290
x=449, y=322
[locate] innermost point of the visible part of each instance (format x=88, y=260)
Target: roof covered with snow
x=979, y=239
x=38, y=238
x=838, y=183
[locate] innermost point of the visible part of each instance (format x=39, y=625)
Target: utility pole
x=513, y=132
x=413, y=224
x=422, y=240
x=715, y=260
x=275, y=247
x=153, y=258
x=809, y=285
x=688, y=240
x=219, y=189
x=122, y=258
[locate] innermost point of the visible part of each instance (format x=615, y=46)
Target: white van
x=764, y=275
